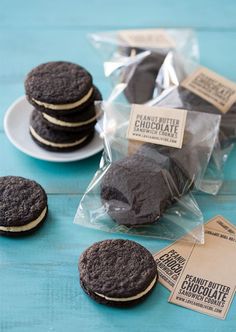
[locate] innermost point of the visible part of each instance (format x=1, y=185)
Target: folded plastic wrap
x=159, y=66
x=180, y=97
x=143, y=188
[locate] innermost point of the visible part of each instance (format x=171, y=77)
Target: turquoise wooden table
x=39, y=285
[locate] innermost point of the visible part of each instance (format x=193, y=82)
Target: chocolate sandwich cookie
x=117, y=272
x=179, y=165
x=56, y=140
x=23, y=205
x=83, y=120
x=136, y=190
x=141, y=81
x=59, y=87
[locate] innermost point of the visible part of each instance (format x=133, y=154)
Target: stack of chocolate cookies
x=136, y=189
x=63, y=97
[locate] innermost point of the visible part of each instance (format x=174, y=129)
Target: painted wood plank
x=58, y=178
x=24, y=49
x=181, y=13
x=40, y=291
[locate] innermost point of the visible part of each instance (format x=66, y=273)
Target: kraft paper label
x=207, y=282
x=147, y=38
x=171, y=260
x=212, y=87
x=164, y=126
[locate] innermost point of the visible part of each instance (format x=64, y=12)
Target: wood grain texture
x=66, y=178
x=109, y=14
x=39, y=285
x=40, y=291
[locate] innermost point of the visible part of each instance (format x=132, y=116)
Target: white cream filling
x=67, y=124
x=57, y=145
x=26, y=227
x=131, y=298
x=65, y=106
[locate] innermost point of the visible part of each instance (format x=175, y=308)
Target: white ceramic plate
x=16, y=125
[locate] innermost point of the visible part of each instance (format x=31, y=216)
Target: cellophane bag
x=145, y=188
x=153, y=56
x=181, y=97
x=144, y=75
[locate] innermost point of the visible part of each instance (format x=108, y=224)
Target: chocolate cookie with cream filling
x=117, y=272
x=23, y=205
x=79, y=121
x=56, y=140
x=59, y=87
x=135, y=191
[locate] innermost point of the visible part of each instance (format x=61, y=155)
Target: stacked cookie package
x=63, y=97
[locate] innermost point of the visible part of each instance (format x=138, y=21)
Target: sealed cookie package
x=208, y=92
x=141, y=64
x=152, y=160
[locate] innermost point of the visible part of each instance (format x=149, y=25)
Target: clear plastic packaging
x=159, y=65
x=143, y=188
x=153, y=76
x=180, y=97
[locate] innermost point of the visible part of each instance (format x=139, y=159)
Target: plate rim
x=21, y=148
